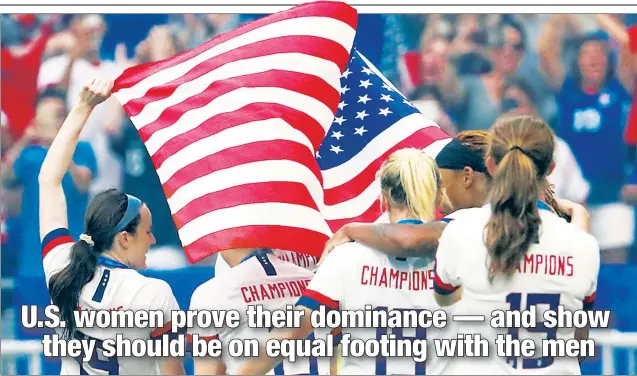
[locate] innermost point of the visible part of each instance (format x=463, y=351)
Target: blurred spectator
x=427, y=99
x=141, y=180
x=70, y=70
x=485, y=52
x=594, y=99
x=195, y=29
x=139, y=177
x=22, y=165
x=519, y=99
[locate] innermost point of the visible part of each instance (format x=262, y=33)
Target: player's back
x=362, y=276
x=114, y=287
x=261, y=280
x=559, y=270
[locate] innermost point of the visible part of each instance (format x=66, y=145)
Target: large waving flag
x=233, y=127
x=373, y=121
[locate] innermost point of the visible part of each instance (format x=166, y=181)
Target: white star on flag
x=342, y=105
x=360, y=131
x=339, y=120
x=361, y=115
x=364, y=99
x=385, y=111
x=365, y=84
x=337, y=135
x=336, y=149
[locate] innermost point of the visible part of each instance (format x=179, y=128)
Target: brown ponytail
x=102, y=215
x=522, y=148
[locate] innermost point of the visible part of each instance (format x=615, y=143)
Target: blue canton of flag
x=369, y=105
x=373, y=120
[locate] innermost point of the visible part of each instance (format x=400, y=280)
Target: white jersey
x=114, y=287
x=260, y=280
x=560, y=270
x=305, y=261
x=353, y=276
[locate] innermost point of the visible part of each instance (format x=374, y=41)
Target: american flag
x=374, y=120
x=233, y=127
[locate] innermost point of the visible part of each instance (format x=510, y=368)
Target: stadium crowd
x=463, y=71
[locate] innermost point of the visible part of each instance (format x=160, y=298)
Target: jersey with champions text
x=353, y=276
x=305, y=261
x=262, y=279
x=114, y=287
x=559, y=270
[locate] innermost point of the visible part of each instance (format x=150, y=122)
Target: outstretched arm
x=58, y=159
x=391, y=239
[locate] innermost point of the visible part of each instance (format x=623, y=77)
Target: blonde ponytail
x=411, y=179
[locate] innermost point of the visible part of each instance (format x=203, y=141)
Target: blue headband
x=132, y=211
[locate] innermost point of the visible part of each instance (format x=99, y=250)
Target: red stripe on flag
x=250, y=113
x=370, y=215
x=281, y=237
x=359, y=183
x=309, y=85
x=239, y=155
x=336, y=10
x=295, y=193
x=308, y=45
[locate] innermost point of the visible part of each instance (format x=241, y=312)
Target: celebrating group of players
x=505, y=243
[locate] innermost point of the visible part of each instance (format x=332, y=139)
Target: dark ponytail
x=100, y=222
x=522, y=148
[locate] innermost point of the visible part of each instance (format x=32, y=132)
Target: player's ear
x=123, y=239
x=492, y=167
x=551, y=168
x=467, y=177
x=384, y=203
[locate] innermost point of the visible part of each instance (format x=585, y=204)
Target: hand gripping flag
x=374, y=120
x=233, y=127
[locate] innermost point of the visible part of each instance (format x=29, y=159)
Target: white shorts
x=613, y=225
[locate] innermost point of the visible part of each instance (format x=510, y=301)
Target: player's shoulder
x=213, y=290
x=290, y=268
x=463, y=217
x=347, y=250
x=56, y=240
x=150, y=285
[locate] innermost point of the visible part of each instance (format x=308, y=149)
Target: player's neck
x=399, y=215
x=115, y=256
x=234, y=256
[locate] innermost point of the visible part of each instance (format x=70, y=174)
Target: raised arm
x=58, y=159
x=627, y=69
x=550, y=49
x=391, y=239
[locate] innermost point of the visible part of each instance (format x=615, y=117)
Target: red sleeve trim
x=589, y=301
x=320, y=298
x=205, y=338
x=158, y=332
x=441, y=287
x=55, y=238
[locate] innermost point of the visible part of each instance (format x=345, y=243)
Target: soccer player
x=256, y=278
x=98, y=271
x=465, y=181
x=514, y=254
x=354, y=276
